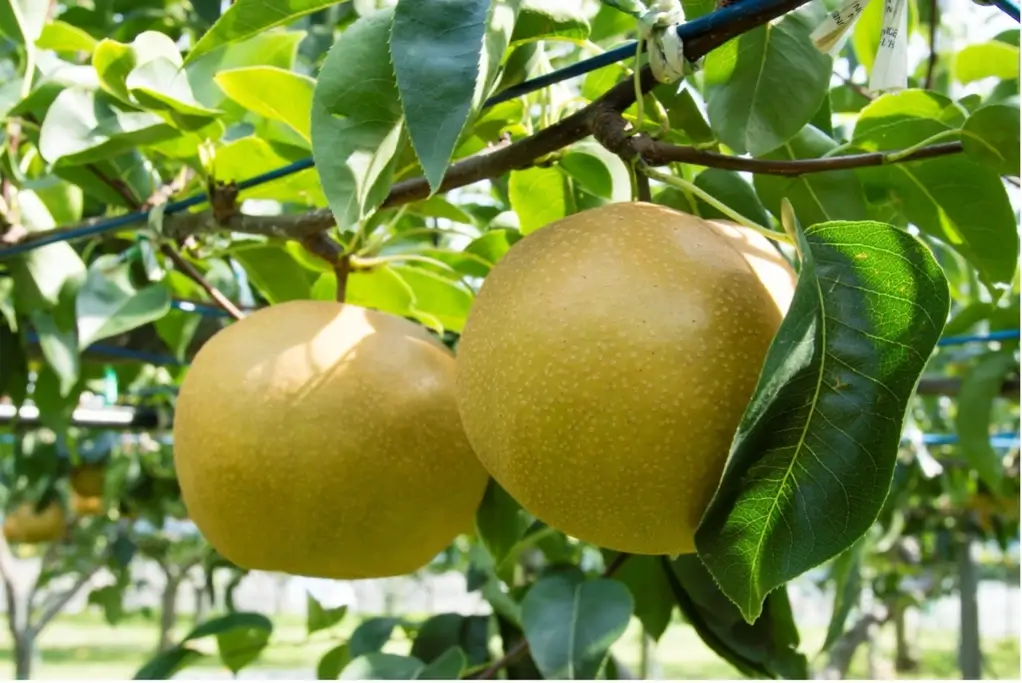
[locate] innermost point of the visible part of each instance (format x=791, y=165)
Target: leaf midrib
x=756, y=562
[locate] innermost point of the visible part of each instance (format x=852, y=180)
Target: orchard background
x=420, y=185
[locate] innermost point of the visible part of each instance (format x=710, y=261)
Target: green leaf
x=442, y=632
x=991, y=137
x=545, y=20
x=177, y=329
x=61, y=36
x=767, y=648
x=438, y=207
x=247, y=18
x=697, y=8
x=275, y=273
x=371, y=635
x=242, y=645
x=654, y=601
x=730, y=188
x=500, y=521
x=539, y=196
x=332, y=663
x=108, y=304
x=952, y=198
x=763, y=87
x=272, y=92
x=985, y=60
x=845, y=572
x=160, y=85
x=571, y=623
x=114, y=61
x=965, y=318
x=164, y=665
x=22, y=20
x=448, y=666
x=318, y=618
x=249, y=156
x=276, y=48
x=816, y=197
x=972, y=422
x=446, y=56
x=14, y=369
x=598, y=171
x=682, y=111
x=82, y=126
x=357, y=120
x=822, y=429
x=45, y=276
x=436, y=299
x=493, y=245
x=253, y=632
x=378, y=666
x=60, y=348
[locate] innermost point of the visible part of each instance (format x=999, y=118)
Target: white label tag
x=828, y=34
x=890, y=69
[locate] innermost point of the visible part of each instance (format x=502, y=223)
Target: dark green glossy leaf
x=816, y=197
x=952, y=198
x=823, y=426
x=598, y=171
x=763, y=87
x=332, y=663
x=318, y=617
x=108, y=304
x=682, y=111
x=654, y=601
x=242, y=645
x=991, y=137
x=246, y=18
x=500, y=521
x=164, y=665
x=972, y=421
x=767, y=648
x=447, y=667
x=378, y=666
x=357, y=119
x=371, y=635
x=571, y=623
x=442, y=632
x=730, y=188
x=446, y=56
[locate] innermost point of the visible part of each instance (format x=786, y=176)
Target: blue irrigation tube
x=1002, y=440
x=999, y=335
x=120, y=352
x=690, y=29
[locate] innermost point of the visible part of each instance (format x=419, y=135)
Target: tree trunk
x=168, y=611
x=970, y=659
x=200, y=604
x=23, y=651
x=904, y=660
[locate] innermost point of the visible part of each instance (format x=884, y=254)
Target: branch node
x=223, y=200
x=333, y=253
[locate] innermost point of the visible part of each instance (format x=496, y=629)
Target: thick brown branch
x=333, y=253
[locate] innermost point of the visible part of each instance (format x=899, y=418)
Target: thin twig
x=522, y=646
x=858, y=88
x=182, y=264
x=931, y=65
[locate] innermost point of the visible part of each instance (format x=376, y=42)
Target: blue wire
x=1002, y=440
x=202, y=309
x=120, y=352
x=1000, y=335
x=1008, y=7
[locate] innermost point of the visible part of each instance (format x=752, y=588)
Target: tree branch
x=58, y=604
x=191, y=271
x=333, y=253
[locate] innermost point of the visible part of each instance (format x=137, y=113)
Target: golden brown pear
x=605, y=366
x=88, y=480
x=86, y=506
x=323, y=439
x=25, y=524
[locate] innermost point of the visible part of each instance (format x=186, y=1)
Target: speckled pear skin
x=323, y=440
x=605, y=366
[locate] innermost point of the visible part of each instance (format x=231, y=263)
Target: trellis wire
x=690, y=29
